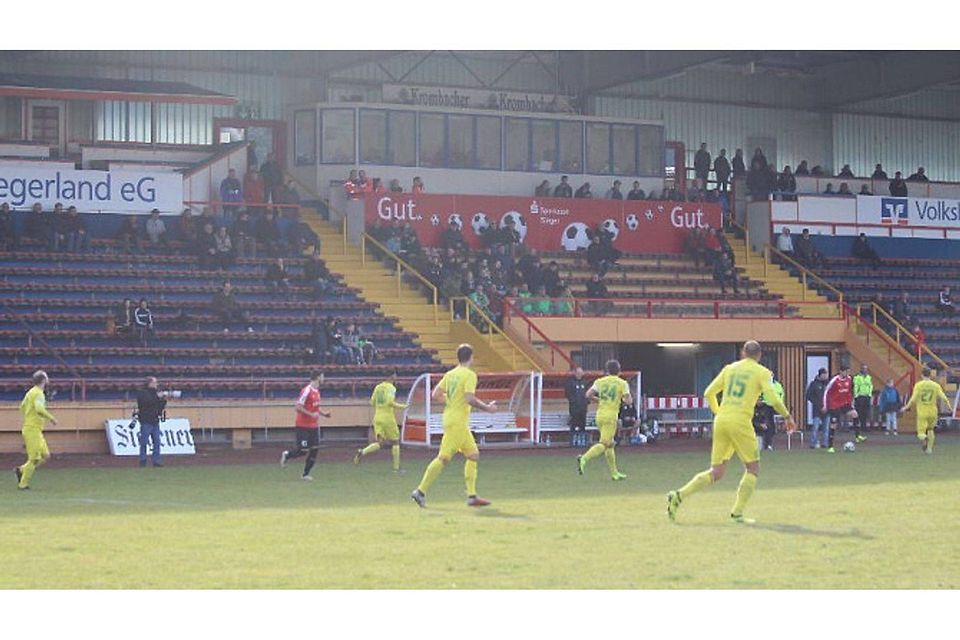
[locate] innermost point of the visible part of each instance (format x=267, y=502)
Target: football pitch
x=882, y=517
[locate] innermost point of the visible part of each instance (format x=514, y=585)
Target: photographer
x=150, y=408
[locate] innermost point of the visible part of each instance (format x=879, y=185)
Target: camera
x=170, y=394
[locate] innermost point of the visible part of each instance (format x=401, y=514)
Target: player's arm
x=592, y=393
x=301, y=407
x=626, y=398
x=713, y=390
x=911, y=401
x=439, y=391
x=41, y=408
x=398, y=405
x=943, y=397
x=477, y=403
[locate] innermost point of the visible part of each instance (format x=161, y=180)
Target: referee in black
x=150, y=406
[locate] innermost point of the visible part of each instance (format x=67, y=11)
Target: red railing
x=509, y=311
x=219, y=204
x=669, y=308
x=889, y=228
x=893, y=346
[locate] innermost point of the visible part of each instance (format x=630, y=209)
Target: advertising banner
x=907, y=212
x=91, y=191
x=175, y=437
x=547, y=224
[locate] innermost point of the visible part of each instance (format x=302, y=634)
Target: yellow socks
x=611, y=457
x=395, y=451
x=931, y=438
x=370, y=448
x=470, y=476
x=26, y=472
x=700, y=481
x=593, y=452
x=747, y=484
x=434, y=469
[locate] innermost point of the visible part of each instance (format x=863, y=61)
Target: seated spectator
x=542, y=190
x=231, y=194
x=395, y=186
x=350, y=186
x=341, y=353
x=143, y=322
x=844, y=190
x=806, y=252
x=277, y=278
x=711, y=247
x=919, y=176
x=39, y=225
x=862, y=250
x=316, y=276
x=878, y=173
x=351, y=340
x=9, y=240
x=817, y=171
x=409, y=243
x=254, y=190
x=301, y=238
x=596, y=257
x=78, y=241
x=695, y=246
x=564, y=305
x=128, y=234
x=785, y=242
x=156, y=231
x=563, y=190
x=898, y=187
x=551, y=280
x=610, y=253
x=418, y=186
x=903, y=310
x=187, y=228
x=802, y=169
x=584, y=191
x=829, y=190
x=846, y=172
x=363, y=182
x=58, y=238
x=123, y=319
x=368, y=350
x=244, y=236
x=207, y=247
x=268, y=235
x=613, y=193
x=865, y=190
x=637, y=193
x=725, y=274
x=227, y=309
x=542, y=305
x=452, y=237
x=319, y=347
x=224, y=246
x=786, y=182
x=945, y=302
x=598, y=293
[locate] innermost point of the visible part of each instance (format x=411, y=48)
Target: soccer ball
x=435, y=220
x=849, y=447
x=518, y=223
x=633, y=222
x=611, y=227
x=575, y=236
x=455, y=219
x=479, y=223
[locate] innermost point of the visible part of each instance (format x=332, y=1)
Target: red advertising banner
x=547, y=224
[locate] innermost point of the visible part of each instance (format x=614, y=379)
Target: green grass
x=883, y=517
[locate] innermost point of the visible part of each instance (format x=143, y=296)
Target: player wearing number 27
x=610, y=390
x=926, y=394
x=741, y=383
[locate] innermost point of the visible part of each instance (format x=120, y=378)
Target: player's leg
x=302, y=444
x=373, y=447
x=746, y=449
x=449, y=444
x=37, y=454
x=720, y=451
x=155, y=441
x=470, y=470
x=599, y=448
x=608, y=440
x=313, y=444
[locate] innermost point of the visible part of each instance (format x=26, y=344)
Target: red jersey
x=310, y=399
x=838, y=393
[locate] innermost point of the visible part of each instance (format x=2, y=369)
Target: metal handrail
x=510, y=311
x=401, y=264
x=893, y=346
x=805, y=274
x=921, y=347
x=492, y=330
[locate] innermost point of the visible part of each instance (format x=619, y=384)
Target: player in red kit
x=838, y=401
x=308, y=426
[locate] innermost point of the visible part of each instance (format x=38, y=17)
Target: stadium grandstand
x=231, y=221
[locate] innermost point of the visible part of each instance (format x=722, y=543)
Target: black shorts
x=308, y=438
x=841, y=412
x=578, y=419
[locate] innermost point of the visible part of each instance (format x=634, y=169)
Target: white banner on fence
x=905, y=212
x=827, y=209
x=175, y=437
x=91, y=191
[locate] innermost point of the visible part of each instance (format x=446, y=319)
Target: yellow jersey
x=610, y=391
x=925, y=396
x=33, y=407
x=456, y=384
x=741, y=383
x=384, y=401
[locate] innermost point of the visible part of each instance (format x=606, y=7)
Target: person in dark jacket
x=576, y=392
x=802, y=169
x=277, y=277
x=268, y=235
x=207, y=247
x=739, y=169
x=898, y=187
x=862, y=250
x=919, y=176
x=143, y=322
x=9, y=239
x=542, y=190
x=786, y=182
x=150, y=407
x=563, y=190
x=819, y=419
x=636, y=193
x=722, y=170
x=846, y=172
x=879, y=173
x=272, y=176
x=701, y=165
x=584, y=191
x=231, y=194
x=227, y=309
x=244, y=236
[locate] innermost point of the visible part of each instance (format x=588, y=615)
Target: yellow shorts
x=36, y=445
x=457, y=440
x=608, y=428
x=733, y=437
x=925, y=422
x=386, y=429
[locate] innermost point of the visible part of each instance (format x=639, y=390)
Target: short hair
x=464, y=353
x=927, y=372
x=752, y=349
x=394, y=373
x=821, y=371
x=613, y=367
x=39, y=376
x=316, y=375
x=148, y=380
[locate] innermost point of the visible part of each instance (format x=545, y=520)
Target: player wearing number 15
x=926, y=395
x=34, y=411
x=741, y=383
x=610, y=391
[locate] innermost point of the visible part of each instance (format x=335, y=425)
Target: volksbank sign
x=921, y=212
x=463, y=98
x=91, y=191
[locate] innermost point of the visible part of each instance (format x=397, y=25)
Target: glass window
x=624, y=150
x=402, y=138
x=338, y=135
x=598, y=148
x=650, y=143
x=518, y=144
x=10, y=118
x=488, y=142
x=432, y=145
x=373, y=136
x=571, y=147
x=460, y=141
x=305, y=137
x=544, y=134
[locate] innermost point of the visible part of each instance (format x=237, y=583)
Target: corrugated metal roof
x=73, y=83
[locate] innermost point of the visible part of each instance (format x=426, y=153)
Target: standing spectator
x=767, y=427
x=802, y=169
x=862, y=250
x=207, y=247
x=272, y=177
x=919, y=176
x=576, y=393
x=39, y=225
x=806, y=252
x=395, y=186
x=418, y=186
x=543, y=190
x=898, y=187
x=879, y=173
x=231, y=194
x=722, y=170
x=701, y=165
x=452, y=238
x=786, y=182
x=128, y=234
x=224, y=255
x=143, y=322
x=150, y=408
x=277, y=278
x=227, y=309
x=945, y=302
x=862, y=400
x=244, y=236
x=636, y=193
x=785, y=242
x=820, y=419
x=889, y=404
x=584, y=191
x=920, y=337
x=739, y=169
x=9, y=240
x=846, y=172
x=902, y=310
x=614, y=193
x=563, y=190
x=156, y=231
x=269, y=235
x=58, y=237
x=78, y=241
x=254, y=190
